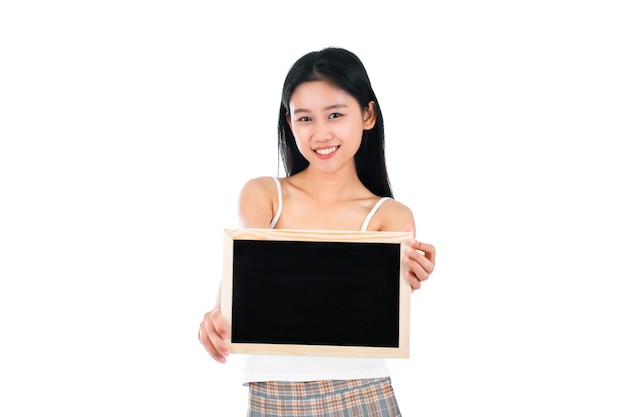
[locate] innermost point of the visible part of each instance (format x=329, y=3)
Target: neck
x=338, y=185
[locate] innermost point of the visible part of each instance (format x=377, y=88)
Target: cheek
x=301, y=134
x=352, y=133
x=299, y=143
x=299, y=146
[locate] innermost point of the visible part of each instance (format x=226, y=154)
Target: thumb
x=408, y=228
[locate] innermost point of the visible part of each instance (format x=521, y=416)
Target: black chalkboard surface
x=327, y=293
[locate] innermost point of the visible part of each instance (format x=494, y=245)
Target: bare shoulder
x=259, y=185
x=394, y=216
x=257, y=201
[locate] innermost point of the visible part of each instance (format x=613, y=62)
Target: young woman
x=331, y=140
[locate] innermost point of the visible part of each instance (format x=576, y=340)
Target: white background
x=128, y=127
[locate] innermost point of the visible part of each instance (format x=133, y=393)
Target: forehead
x=319, y=94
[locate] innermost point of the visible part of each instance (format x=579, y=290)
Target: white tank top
x=312, y=368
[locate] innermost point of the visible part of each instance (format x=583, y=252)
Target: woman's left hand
x=420, y=259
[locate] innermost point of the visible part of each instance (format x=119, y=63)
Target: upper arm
x=396, y=216
x=256, y=202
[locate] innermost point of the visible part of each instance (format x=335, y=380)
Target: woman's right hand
x=213, y=334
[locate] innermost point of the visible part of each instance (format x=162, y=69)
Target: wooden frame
x=270, y=299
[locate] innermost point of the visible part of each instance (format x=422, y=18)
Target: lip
x=327, y=152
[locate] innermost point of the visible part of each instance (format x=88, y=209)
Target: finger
x=421, y=259
x=413, y=280
x=419, y=266
x=409, y=228
x=220, y=324
x=205, y=340
x=220, y=332
x=414, y=245
x=417, y=269
x=428, y=249
x=212, y=329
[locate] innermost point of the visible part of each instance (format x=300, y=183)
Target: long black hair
x=344, y=70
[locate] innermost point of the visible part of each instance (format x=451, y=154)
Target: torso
x=302, y=210
x=321, y=208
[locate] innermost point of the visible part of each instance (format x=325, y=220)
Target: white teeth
x=326, y=151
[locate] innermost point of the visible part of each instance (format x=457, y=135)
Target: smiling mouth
x=326, y=151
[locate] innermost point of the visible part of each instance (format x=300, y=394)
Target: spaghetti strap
x=366, y=222
x=280, y=203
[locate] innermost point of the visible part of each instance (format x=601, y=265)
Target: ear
x=288, y=118
x=369, y=116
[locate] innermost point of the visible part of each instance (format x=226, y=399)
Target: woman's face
x=327, y=124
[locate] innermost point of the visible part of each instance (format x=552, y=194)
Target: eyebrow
x=332, y=107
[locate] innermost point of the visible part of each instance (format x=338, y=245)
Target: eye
x=304, y=119
x=334, y=115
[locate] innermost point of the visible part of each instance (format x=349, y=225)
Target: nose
x=322, y=131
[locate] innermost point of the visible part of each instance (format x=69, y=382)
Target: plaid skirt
x=330, y=398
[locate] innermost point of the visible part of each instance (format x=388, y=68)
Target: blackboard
x=330, y=293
